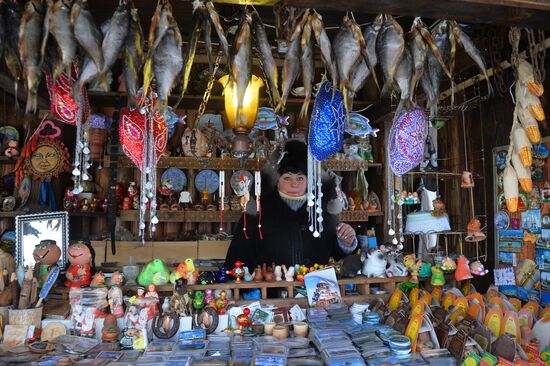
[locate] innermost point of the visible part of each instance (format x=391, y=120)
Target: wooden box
x=213, y=249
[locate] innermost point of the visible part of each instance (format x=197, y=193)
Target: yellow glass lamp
x=243, y=122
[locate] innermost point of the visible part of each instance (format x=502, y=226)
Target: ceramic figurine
x=438, y=278
x=221, y=302
x=84, y=205
x=12, y=150
x=179, y=302
x=46, y=254
x=133, y=191
x=247, y=276
x=258, y=276
x=110, y=329
x=198, y=300
x=221, y=275
x=462, y=269
x=152, y=294
x=478, y=269
x=375, y=264
x=208, y=296
x=467, y=180
x=98, y=280
x=409, y=260
x=268, y=274
x=395, y=268
x=186, y=270
x=135, y=202
x=425, y=270
x=289, y=273
x=69, y=199
x=155, y=272
x=237, y=272
x=244, y=319
x=439, y=208
x=79, y=273
x=448, y=265
x=126, y=204
x=278, y=273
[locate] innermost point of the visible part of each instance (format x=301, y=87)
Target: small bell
x=76, y=172
x=391, y=232
x=394, y=241
x=85, y=176
x=154, y=220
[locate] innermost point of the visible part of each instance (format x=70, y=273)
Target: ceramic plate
x=236, y=177
x=207, y=179
x=10, y=132
x=502, y=220
x=175, y=177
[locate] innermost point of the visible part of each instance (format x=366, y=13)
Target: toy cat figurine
x=395, y=269
x=375, y=264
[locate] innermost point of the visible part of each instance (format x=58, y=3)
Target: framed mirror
x=32, y=229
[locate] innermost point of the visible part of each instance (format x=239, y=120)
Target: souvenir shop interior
x=274, y=182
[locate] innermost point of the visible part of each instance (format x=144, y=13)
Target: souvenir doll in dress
x=46, y=254
x=81, y=259
x=115, y=295
x=153, y=295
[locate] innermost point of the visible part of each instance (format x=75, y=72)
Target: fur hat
x=294, y=158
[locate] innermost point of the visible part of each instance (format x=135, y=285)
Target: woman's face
x=293, y=185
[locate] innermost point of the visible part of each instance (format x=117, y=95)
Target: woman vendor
x=284, y=236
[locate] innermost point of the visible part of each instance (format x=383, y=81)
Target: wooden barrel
x=32, y=316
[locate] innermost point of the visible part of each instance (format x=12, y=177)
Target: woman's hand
x=346, y=233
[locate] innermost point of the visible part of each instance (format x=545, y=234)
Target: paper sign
x=322, y=287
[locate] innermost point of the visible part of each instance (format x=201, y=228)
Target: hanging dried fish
x=325, y=46
x=419, y=53
x=241, y=62
x=437, y=61
x=87, y=32
x=59, y=25
x=403, y=77
x=215, y=18
x=347, y=50
x=167, y=63
x=466, y=42
x=266, y=57
x=30, y=38
x=291, y=67
x=12, y=20
x=308, y=67
x=133, y=57
x=389, y=48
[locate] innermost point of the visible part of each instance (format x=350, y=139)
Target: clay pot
x=268, y=328
x=300, y=329
x=258, y=275
x=258, y=328
x=280, y=332
x=269, y=276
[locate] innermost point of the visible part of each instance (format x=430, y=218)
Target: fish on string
x=359, y=125
x=267, y=119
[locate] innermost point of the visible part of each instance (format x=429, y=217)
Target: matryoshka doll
x=46, y=254
x=81, y=257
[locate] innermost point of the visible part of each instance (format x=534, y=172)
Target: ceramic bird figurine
x=247, y=276
x=166, y=305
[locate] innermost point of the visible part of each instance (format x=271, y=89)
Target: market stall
x=274, y=183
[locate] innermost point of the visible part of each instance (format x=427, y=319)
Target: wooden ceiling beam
x=525, y=13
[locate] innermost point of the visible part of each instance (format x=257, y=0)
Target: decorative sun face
x=48, y=159
x=45, y=159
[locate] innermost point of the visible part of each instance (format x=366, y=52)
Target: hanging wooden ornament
x=143, y=136
x=510, y=184
x=524, y=173
x=521, y=144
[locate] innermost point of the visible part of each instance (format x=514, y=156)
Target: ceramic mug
x=268, y=328
x=300, y=329
x=280, y=332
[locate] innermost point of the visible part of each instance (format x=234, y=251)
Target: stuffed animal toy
x=395, y=269
x=477, y=268
x=154, y=272
x=375, y=263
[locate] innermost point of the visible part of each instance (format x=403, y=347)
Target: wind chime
x=143, y=136
x=326, y=137
x=74, y=111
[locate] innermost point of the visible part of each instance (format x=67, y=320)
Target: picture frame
x=31, y=229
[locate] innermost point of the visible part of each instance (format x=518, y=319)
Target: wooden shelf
x=229, y=216
x=184, y=216
x=12, y=213
x=441, y=175
x=358, y=216
x=87, y=214
x=216, y=102
x=187, y=162
x=349, y=165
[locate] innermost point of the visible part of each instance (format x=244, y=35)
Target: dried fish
x=358, y=78
x=167, y=63
x=266, y=57
x=59, y=23
x=419, y=52
x=291, y=67
x=12, y=21
x=466, y=42
x=389, y=48
x=308, y=67
x=347, y=50
x=52, y=58
x=87, y=32
x=215, y=18
x=403, y=76
x=115, y=37
x=440, y=36
x=370, y=34
x=133, y=57
x=241, y=62
x=325, y=46
x=30, y=39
